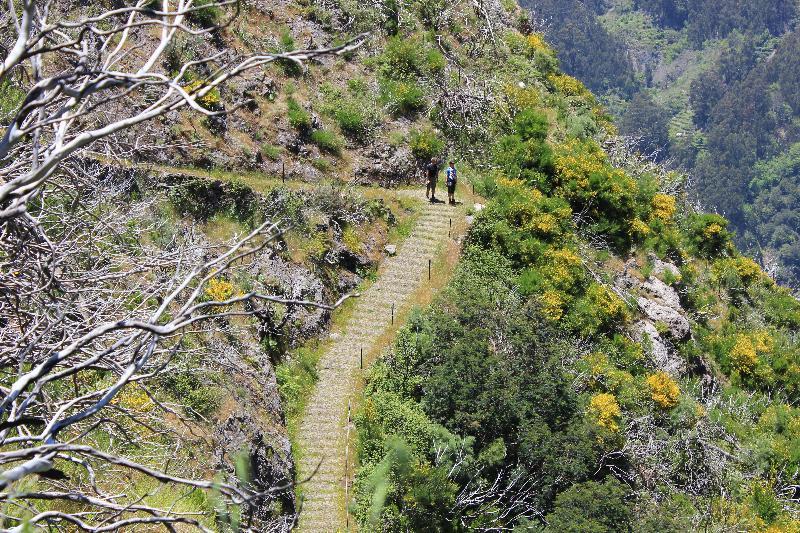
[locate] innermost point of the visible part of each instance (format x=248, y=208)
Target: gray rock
x=270, y=465
x=479, y=207
x=470, y=220
x=662, y=292
x=391, y=249
x=660, y=267
x=660, y=353
x=677, y=324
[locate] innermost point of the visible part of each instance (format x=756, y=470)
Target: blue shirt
x=452, y=175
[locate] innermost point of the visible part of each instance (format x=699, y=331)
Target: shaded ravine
x=322, y=433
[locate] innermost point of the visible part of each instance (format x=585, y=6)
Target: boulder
x=662, y=293
x=677, y=324
x=391, y=250
x=661, y=354
x=660, y=267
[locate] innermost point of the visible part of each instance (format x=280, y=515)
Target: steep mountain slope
x=603, y=360
x=713, y=95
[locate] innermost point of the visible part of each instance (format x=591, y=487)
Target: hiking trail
x=323, y=430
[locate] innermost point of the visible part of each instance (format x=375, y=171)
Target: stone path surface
x=322, y=434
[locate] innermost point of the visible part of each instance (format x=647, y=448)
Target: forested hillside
x=709, y=87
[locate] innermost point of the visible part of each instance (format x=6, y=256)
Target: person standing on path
x=432, y=173
x=452, y=179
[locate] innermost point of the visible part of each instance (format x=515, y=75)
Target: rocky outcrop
x=387, y=165
x=664, y=322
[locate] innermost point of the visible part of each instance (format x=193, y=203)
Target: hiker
x=452, y=178
x=432, y=171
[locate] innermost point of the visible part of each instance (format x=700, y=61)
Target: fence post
x=392, y=313
x=347, y=468
x=429, y=269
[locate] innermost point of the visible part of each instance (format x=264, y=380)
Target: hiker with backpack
x=452, y=179
x=432, y=174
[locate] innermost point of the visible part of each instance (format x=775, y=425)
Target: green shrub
x=321, y=164
x=271, y=152
x=425, y=144
x=179, y=51
x=200, y=397
x=708, y=234
x=591, y=507
x=355, y=110
x=327, y=141
x=352, y=120
x=410, y=58
x=10, y=99
x=205, y=13
x=287, y=43
x=299, y=118
x=403, y=98
x=296, y=378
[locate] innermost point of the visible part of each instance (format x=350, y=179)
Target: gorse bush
x=211, y=100
x=708, y=234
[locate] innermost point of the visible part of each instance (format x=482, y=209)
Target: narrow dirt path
x=322, y=435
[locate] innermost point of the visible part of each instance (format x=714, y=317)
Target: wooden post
x=347, y=467
x=392, y=313
x=283, y=171
x=362, y=357
x=473, y=188
x=429, y=269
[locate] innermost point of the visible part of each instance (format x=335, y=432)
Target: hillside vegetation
x=709, y=87
x=603, y=359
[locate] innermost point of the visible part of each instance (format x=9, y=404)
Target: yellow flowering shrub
x=763, y=341
x=664, y=207
x=218, y=290
x=575, y=161
x=552, y=305
x=743, y=354
x=134, y=398
x=567, y=85
x=535, y=43
x=520, y=98
x=210, y=100
x=663, y=390
x=745, y=268
x=563, y=267
x=605, y=410
x=606, y=302
x=529, y=210
x=712, y=230
x=639, y=228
